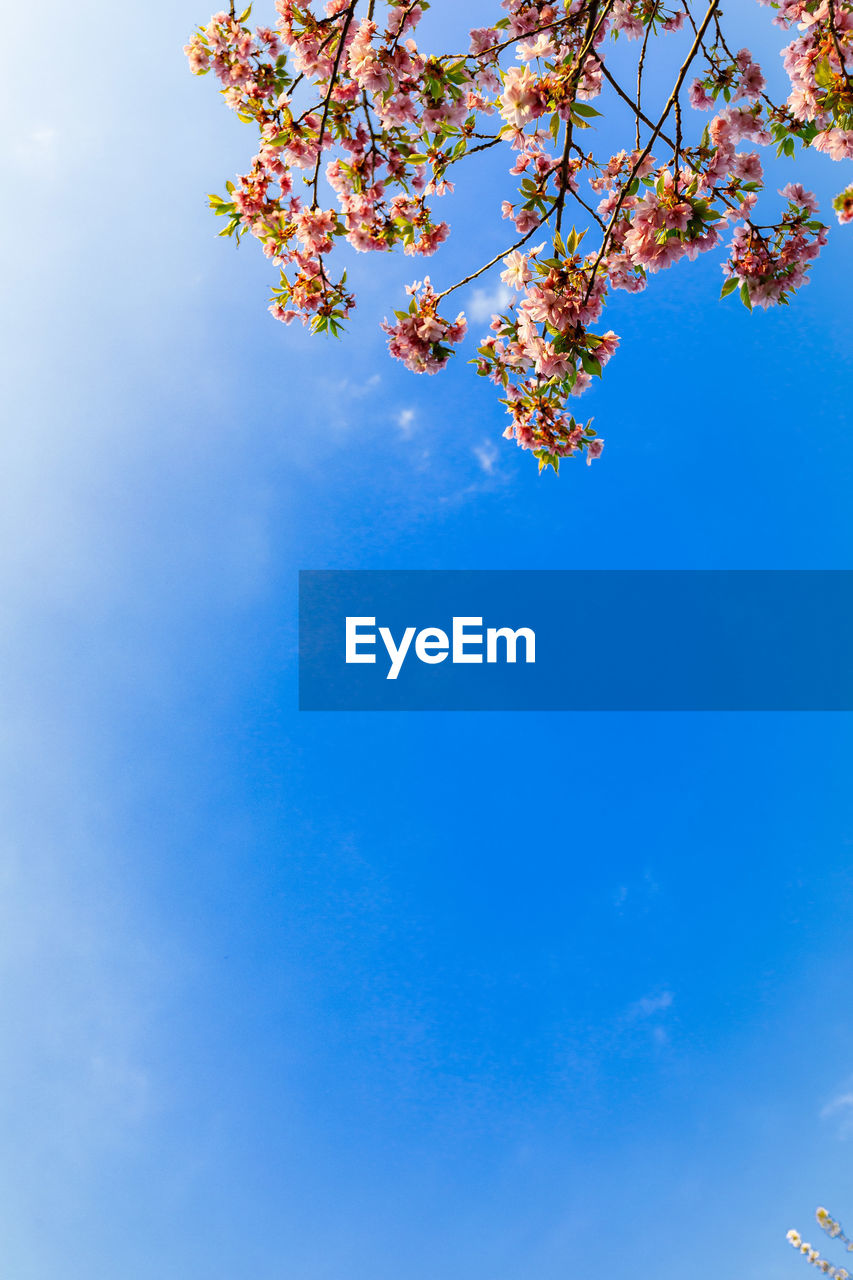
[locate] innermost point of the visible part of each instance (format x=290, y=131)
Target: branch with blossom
x=361, y=134
x=831, y=1227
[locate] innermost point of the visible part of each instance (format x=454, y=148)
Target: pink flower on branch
x=360, y=132
x=421, y=338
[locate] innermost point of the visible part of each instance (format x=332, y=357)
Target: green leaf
x=729, y=287
x=584, y=109
x=823, y=74
x=547, y=459
x=744, y=297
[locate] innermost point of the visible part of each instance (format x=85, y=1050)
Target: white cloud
x=356, y=390
x=484, y=303
x=487, y=455
x=648, y=1006
x=406, y=421
x=840, y=1109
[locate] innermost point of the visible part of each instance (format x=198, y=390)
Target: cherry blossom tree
x=362, y=133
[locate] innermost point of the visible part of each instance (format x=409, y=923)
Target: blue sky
x=350, y=996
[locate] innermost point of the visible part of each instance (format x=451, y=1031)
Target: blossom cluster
x=361, y=133
x=421, y=338
x=833, y=1229
x=768, y=268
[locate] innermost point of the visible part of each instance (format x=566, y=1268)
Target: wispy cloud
x=341, y=396
x=487, y=456
x=484, y=303
x=648, y=1006
x=406, y=420
x=638, y=895
x=840, y=1109
x=357, y=390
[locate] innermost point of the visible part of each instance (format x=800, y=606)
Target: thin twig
x=641, y=64
x=837, y=41
x=629, y=100
x=594, y=23
x=493, y=263
x=497, y=48
x=588, y=208
x=328, y=99
x=712, y=8
x=320, y=49
x=412, y=5
x=481, y=146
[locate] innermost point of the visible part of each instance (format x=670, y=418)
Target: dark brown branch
x=409, y=8
x=482, y=146
x=374, y=148
x=302, y=74
x=715, y=62
x=328, y=99
x=494, y=261
x=626, y=98
x=594, y=23
x=641, y=64
x=497, y=48
x=588, y=208
x=833, y=27
x=682, y=75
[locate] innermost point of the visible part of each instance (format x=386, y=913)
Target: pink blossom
x=482, y=39
x=518, y=273
x=421, y=338
x=699, y=96
x=798, y=195
x=522, y=98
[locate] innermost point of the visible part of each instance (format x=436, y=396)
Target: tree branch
x=494, y=261
x=712, y=8
x=833, y=27
x=640, y=67
x=593, y=26
x=629, y=100
x=328, y=99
